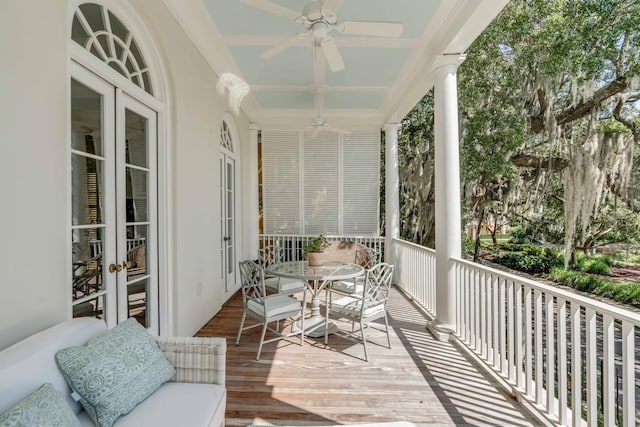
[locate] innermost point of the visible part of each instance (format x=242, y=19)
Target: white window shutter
x=321, y=183
x=361, y=183
x=281, y=182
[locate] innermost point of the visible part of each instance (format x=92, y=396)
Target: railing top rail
x=413, y=245
x=328, y=236
x=598, y=306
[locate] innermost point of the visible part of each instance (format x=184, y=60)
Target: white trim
x=235, y=156
x=160, y=102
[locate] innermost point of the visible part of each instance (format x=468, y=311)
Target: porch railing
x=571, y=356
x=293, y=243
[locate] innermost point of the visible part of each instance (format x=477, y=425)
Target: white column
x=392, y=192
x=252, y=229
x=447, y=189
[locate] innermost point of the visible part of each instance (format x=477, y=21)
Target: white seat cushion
x=275, y=305
x=351, y=306
x=178, y=404
x=283, y=285
x=348, y=287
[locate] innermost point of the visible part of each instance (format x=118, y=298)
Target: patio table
x=317, y=278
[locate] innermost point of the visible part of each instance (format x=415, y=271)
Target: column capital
x=254, y=126
x=392, y=127
x=448, y=61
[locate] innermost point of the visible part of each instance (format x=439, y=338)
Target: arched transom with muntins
x=226, y=139
x=100, y=32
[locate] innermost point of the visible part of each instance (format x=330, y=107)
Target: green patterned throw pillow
x=45, y=407
x=115, y=371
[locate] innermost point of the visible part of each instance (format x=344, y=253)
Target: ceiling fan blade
x=371, y=28
x=331, y=52
x=279, y=47
x=272, y=8
x=332, y=5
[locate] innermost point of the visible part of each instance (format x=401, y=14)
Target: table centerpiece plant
x=314, y=249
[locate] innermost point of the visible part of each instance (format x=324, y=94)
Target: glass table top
x=329, y=270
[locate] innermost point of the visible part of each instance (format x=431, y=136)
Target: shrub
x=595, y=266
x=623, y=292
x=521, y=235
x=531, y=259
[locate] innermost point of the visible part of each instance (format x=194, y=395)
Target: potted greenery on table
x=314, y=250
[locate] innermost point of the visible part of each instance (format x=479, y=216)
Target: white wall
x=33, y=165
x=34, y=169
x=196, y=111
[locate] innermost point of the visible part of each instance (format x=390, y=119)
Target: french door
x=228, y=222
x=113, y=203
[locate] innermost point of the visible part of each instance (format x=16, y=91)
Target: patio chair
x=365, y=308
x=266, y=308
x=278, y=285
x=367, y=258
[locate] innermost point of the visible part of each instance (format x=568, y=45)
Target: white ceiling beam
x=267, y=41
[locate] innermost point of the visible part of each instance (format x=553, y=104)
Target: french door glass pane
x=137, y=254
x=87, y=183
x=136, y=139
x=137, y=301
x=230, y=217
x=137, y=195
x=92, y=308
x=88, y=271
x=86, y=119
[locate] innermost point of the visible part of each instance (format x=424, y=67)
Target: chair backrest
x=270, y=254
x=377, y=283
x=367, y=257
x=252, y=279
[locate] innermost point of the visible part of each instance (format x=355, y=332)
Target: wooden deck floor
x=419, y=379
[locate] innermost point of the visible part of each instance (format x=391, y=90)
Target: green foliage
x=529, y=259
x=317, y=244
x=613, y=127
x=623, y=292
x=595, y=266
x=522, y=236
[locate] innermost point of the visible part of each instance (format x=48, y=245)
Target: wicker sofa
x=195, y=396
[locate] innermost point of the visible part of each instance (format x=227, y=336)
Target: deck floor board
x=419, y=379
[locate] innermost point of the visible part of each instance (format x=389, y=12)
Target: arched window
x=226, y=138
x=100, y=32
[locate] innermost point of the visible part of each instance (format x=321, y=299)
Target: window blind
x=329, y=184
x=281, y=182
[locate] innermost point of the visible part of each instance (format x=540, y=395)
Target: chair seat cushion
x=275, y=305
x=283, y=285
x=348, y=286
x=351, y=307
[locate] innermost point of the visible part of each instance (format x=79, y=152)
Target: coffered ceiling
x=382, y=78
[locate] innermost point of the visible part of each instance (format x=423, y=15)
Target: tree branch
x=532, y=161
x=582, y=109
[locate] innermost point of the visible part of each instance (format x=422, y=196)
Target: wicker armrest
x=196, y=359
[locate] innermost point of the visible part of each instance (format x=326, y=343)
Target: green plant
x=317, y=244
x=623, y=291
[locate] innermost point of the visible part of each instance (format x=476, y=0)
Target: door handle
x=126, y=264
x=226, y=238
x=115, y=267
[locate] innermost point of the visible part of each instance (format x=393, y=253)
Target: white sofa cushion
x=179, y=404
x=27, y=365
x=115, y=370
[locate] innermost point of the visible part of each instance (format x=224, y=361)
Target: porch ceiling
x=383, y=77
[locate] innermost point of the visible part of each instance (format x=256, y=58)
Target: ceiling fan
x=320, y=124
x=319, y=19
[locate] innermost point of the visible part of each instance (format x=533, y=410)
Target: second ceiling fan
x=319, y=19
